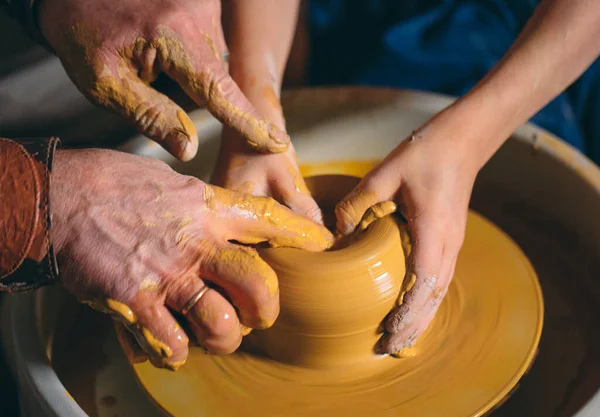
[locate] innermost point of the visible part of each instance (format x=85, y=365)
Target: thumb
x=353, y=207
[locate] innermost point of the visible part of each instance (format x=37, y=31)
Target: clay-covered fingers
x=290, y=190
x=247, y=281
x=131, y=348
x=431, y=261
x=152, y=113
x=368, y=200
x=155, y=329
x=200, y=70
x=300, y=203
x=210, y=315
x=250, y=220
x=377, y=211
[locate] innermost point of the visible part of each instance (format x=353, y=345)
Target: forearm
x=259, y=35
x=560, y=41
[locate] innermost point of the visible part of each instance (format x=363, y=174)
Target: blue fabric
x=444, y=46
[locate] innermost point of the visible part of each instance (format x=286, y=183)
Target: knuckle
x=193, y=182
x=148, y=117
x=342, y=211
x=180, y=291
x=314, y=213
x=430, y=282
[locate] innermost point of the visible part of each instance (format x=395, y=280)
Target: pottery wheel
x=481, y=342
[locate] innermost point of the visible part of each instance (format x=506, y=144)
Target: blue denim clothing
x=444, y=46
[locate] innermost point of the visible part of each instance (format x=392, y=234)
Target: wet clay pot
x=333, y=303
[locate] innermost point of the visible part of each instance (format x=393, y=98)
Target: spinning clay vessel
x=333, y=303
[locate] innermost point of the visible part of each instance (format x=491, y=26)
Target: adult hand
x=430, y=177
x=137, y=240
x=113, y=50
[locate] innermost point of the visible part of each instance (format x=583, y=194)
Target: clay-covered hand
x=275, y=175
x=113, y=50
x=137, y=240
x=430, y=180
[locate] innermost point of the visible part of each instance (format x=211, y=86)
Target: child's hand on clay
x=430, y=178
x=259, y=35
x=277, y=176
x=113, y=50
x=137, y=240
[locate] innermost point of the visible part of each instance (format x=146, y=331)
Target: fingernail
x=280, y=137
x=180, y=146
x=187, y=124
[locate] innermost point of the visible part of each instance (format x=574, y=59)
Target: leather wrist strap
x=25, y=11
x=27, y=258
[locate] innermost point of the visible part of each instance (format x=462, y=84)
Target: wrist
x=60, y=206
x=261, y=84
x=471, y=126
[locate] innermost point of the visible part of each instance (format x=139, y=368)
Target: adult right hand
x=114, y=49
x=135, y=239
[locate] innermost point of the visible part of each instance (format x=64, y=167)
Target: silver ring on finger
x=225, y=56
x=194, y=300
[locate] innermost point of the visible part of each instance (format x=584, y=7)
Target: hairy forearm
x=259, y=35
x=557, y=45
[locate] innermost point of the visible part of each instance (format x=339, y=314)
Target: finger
x=300, y=203
x=378, y=211
x=159, y=334
x=154, y=328
x=427, y=231
x=202, y=74
x=353, y=207
x=250, y=220
x=134, y=353
x=152, y=113
x=248, y=281
x=212, y=318
x=398, y=343
x=292, y=192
